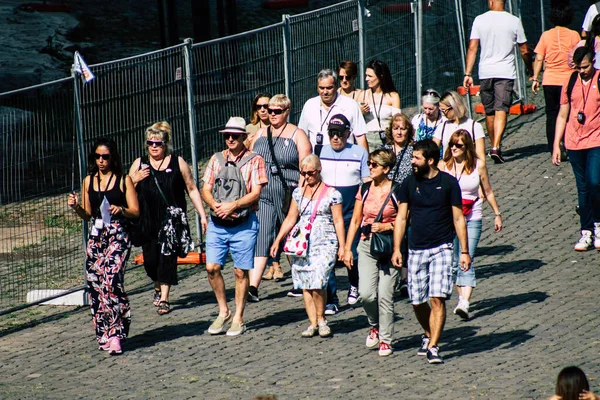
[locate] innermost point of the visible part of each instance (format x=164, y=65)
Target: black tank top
x=114, y=195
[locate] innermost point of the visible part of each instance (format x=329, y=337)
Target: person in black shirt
x=434, y=200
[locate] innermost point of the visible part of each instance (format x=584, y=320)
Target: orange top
x=586, y=99
x=554, y=46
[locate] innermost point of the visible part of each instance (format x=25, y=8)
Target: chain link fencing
x=47, y=130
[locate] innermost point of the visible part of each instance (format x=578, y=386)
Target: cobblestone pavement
x=534, y=311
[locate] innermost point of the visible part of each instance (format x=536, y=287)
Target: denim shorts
x=240, y=240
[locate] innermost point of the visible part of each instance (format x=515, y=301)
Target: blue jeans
x=462, y=278
x=586, y=168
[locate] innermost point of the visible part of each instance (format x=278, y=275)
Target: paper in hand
x=105, y=211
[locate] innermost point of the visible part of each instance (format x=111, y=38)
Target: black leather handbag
x=382, y=243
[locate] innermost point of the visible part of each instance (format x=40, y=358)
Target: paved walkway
x=535, y=310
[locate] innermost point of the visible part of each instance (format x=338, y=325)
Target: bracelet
x=535, y=80
x=122, y=211
x=465, y=252
x=498, y=215
x=467, y=74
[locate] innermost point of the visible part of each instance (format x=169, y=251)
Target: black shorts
x=496, y=94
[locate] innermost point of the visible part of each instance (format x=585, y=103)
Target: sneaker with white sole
x=597, y=235
x=236, y=328
x=372, y=338
x=217, y=326
x=324, y=329
x=462, y=309
x=310, y=331
x=331, y=309
x=352, y=295
x=424, y=345
x=295, y=293
x=585, y=242
x=384, y=349
x=433, y=355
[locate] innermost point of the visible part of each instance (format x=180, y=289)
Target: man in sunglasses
x=318, y=112
x=498, y=31
x=233, y=225
x=578, y=122
x=344, y=166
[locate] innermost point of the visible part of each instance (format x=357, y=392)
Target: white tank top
x=469, y=186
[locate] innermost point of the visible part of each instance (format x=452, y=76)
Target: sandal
x=156, y=301
x=278, y=274
x=269, y=275
x=163, y=308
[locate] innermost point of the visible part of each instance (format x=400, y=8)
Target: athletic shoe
x=496, y=155
x=331, y=309
x=597, y=235
x=324, y=329
x=433, y=355
x=310, y=331
x=384, y=349
x=585, y=241
x=352, y=295
x=114, y=346
x=403, y=288
x=217, y=326
x=236, y=329
x=462, y=309
x=104, y=346
x=253, y=294
x=424, y=344
x=295, y=293
x=372, y=338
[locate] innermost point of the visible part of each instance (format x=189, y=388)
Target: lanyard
x=377, y=113
x=327, y=116
x=101, y=194
x=585, y=98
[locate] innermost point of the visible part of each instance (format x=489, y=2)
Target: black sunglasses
x=158, y=143
x=446, y=110
x=457, y=145
x=276, y=111
x=259, y=106
x=431, y=93
x=231, y=135
x=309, y=173
x=373, y=164
x=336, y=133
x=105, y=157
x=346, y=78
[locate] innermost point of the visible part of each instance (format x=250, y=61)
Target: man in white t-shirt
x=317, y=112
x=498, y=31
x=586, y=27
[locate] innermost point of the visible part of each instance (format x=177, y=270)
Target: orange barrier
x=517, y=109
x=193, y=257
x=473, y=90
x=276, y=4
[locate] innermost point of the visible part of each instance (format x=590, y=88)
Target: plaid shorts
x=430, y=273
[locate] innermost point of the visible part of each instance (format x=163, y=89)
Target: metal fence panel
x=320, y=39
x=228, y=73
x=40, y=239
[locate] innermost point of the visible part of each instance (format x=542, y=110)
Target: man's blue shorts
x=240, y=240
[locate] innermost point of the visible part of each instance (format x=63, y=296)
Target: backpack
x=230, y=186
x=572, y=81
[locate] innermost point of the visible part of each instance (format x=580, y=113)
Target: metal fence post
x=361, y=43
x=80, y=151
x=414, y=6
x=542, y=15
x=189, y=85
x=287, y=53
x=521, y=80
x=463, y=51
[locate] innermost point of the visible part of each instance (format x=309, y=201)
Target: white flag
x=82, y=68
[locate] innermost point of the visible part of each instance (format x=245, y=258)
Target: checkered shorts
x=430, y=273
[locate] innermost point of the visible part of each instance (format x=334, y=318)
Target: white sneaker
x=585, y=241
x=372, y=338
x=462, y=309
x=597, y=235
x=352, y=295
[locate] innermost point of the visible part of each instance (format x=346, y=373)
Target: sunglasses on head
x=339, y=134
x=259, y=106
x=157, y=143
x=431, y=93
x=276, y=111
x=105, y=157
x=457, y=145
x=309, y=173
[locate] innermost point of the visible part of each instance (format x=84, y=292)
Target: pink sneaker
x=114, y=346
x=104, y=346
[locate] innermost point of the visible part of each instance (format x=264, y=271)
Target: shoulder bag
x=382, y=243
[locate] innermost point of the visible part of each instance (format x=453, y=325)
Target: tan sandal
x=278, y=274
x=269, y=275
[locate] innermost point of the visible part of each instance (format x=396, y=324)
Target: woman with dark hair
x=572, y=384
x=260, y=116
x=162, y=177
x=380, y=101
x=553, y=50
x=107, y=199
x=347, y=73
x=461, y=161
x=591, y=41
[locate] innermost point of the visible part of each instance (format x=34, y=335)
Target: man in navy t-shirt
x=434, y=200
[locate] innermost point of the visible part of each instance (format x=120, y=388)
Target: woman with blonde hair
x=159, y=173
x=461, y=161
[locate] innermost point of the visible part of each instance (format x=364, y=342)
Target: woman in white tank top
x=460, y=160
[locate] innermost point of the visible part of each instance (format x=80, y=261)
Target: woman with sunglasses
x=289, y=144
x=377, y=275
x=347, y=72
x=108, y=199
x=453, y=107
x=260, y=116
x=325, y=243
x=461, y=162
x=379, y=102
x=160, y=167
x=428, y=120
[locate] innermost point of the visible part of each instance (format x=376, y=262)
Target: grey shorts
x=496, y=94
